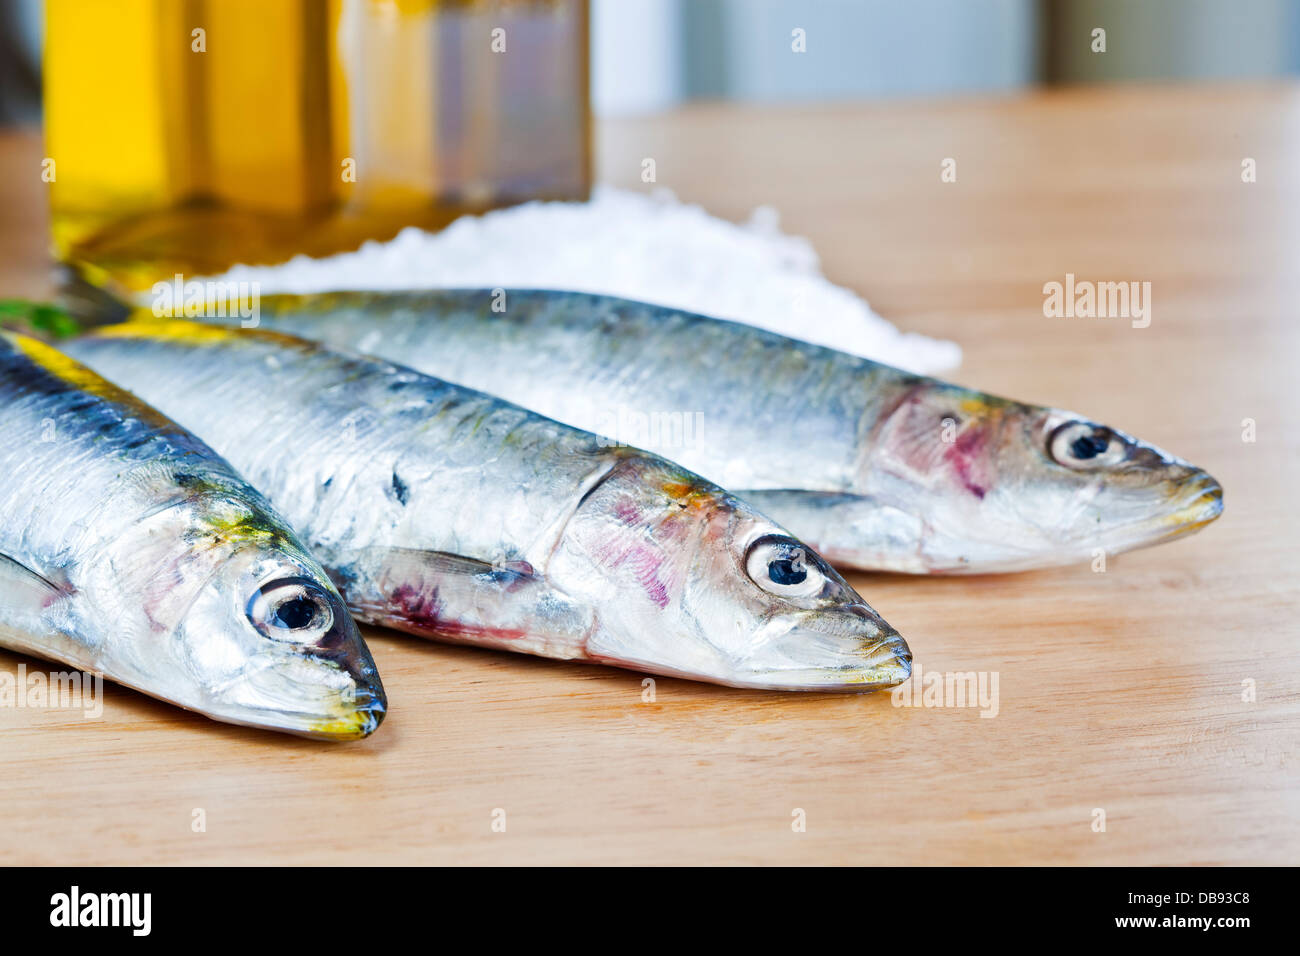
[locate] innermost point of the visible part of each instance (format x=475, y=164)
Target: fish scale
x=129, y=548
x=875, y=467
x=451, y=514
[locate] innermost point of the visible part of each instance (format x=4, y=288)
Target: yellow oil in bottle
x=190, y=135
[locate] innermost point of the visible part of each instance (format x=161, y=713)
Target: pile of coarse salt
x=642, y=246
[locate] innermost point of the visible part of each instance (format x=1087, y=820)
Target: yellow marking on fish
x=145, y=325
x=975, y=405
x=177, y=330
x=687, y=493
x=233, y=523
x=677, y=489
x=1192, y=517
x=61, y=367
x=353, y=727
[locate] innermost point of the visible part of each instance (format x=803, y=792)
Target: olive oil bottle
x=190, y=135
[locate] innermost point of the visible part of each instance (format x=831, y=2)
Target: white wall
x=857, y=48
x=636, y=55
x=650, y=54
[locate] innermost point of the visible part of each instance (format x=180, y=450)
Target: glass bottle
x=190, y=135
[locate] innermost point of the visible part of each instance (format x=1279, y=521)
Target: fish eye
x=1083, y=445
x=290, y=609
x=784, y=567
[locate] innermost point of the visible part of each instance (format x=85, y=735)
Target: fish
x=453, y=515
x=875, y=468
x=131, y=550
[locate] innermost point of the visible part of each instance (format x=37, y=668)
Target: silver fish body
x=875, y=467
x=451, y=514
x=129, y=548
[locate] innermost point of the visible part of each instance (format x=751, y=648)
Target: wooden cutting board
x=1119, y=691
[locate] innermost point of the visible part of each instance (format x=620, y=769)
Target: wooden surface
x=1120, y=691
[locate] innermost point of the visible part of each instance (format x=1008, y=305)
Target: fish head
x=278, y=648
x=261, y=636
x=690, y=581
x=1000, y=485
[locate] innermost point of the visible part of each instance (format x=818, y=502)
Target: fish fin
x=26, y=597
x=463, y=599
x=91, y=296
x=916, y=436
x=23, y=589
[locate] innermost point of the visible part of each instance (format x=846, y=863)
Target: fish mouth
x=1204, y=504
x=1198, y=502
x=307, y=697
x=369, y=708
x=1195, y=501
x=825, y=653
x=362, y=701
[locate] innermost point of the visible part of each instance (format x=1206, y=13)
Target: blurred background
x=649, y=55
x=189, y=135
x=652, y=54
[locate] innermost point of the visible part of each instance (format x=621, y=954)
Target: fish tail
x=88, y=302
x=80, y=307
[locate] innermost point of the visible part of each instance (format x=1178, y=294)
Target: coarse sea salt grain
x=642, y=246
